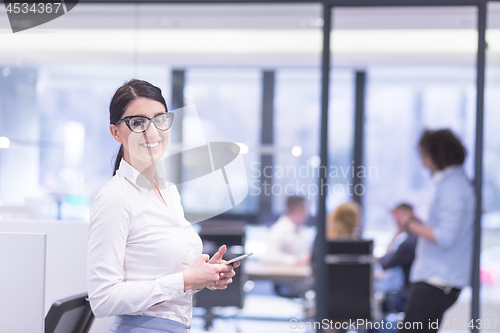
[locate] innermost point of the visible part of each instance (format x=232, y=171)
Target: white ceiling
x=258, y=16
x=247, y=34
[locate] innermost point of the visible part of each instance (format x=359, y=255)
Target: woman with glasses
x=144, y=259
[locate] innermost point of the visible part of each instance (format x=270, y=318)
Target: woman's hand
x=200, y=273
x=226, y=274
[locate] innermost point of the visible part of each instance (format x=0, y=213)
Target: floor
x=265, y=312
x=268, y=312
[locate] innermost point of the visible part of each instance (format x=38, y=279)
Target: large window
x=296, y=135
x=297, y=112
x=227, y=101
x=341, y=137
x=58, y=79
x=56, y=85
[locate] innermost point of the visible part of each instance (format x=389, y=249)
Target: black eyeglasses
x=140, y=124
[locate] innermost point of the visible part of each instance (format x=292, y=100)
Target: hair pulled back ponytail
x=119, y=157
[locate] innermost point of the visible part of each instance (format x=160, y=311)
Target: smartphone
x=238, y=258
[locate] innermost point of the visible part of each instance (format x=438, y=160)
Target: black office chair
x=70, y=315
x=215, y=233
x=350, y=279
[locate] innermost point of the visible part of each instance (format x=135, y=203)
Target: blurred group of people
x=428, y=262
x=287, y=237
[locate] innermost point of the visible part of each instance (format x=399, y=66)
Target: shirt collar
x=439, y=175
x=136, y=178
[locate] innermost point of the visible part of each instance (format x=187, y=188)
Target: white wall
x=22, y=282
x=66, y=260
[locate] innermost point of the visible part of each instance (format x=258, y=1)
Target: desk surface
x=259, y=270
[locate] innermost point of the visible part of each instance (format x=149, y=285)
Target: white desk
x=259, y=270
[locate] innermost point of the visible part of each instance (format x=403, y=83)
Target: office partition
x=22, y=282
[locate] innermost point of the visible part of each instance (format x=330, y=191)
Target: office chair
x=350, y=279
x=215, y=233
x=70, y=315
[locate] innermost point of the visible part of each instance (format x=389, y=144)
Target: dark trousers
x=394, y=302
x=426, y=304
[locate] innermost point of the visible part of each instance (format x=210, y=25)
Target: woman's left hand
x=227, y=274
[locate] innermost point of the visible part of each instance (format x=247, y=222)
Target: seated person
x=343, y=222
x=289, y=244
x=287, y=239
x=399, y=257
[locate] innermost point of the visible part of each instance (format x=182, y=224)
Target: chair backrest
x=70, y=315
x=361, y=246
x=214, y=233
x=350, y=279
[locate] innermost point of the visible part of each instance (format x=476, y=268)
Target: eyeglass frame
x=126, y=120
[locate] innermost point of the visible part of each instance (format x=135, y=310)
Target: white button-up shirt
x=287, y=242
x=138, y=248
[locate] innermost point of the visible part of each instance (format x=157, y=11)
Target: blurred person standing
x=443, y=258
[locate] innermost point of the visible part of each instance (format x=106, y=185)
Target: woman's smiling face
x=142, y=149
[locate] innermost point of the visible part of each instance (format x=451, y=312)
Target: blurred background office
x=253, y=71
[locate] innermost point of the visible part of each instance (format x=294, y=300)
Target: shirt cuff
x=172, y=286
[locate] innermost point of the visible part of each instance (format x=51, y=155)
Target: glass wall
x=297, y=113
x=340, y=135
x=401, y=103
x=55, y=88
x=228, y=103
x=296, y=104
x=413, y=83
x=490, y=251
x=420, y=69
x=58, y=79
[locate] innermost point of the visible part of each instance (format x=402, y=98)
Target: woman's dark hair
x=128, y=92
x=444, y=148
